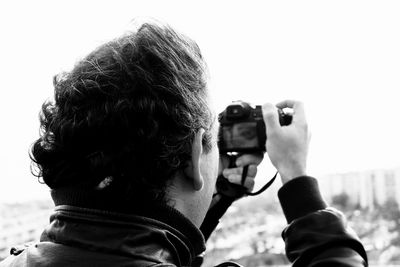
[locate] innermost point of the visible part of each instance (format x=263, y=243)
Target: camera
x=242, y=128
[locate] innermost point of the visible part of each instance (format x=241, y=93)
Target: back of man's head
x=128, y=111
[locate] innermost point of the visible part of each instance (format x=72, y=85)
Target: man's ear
x=192, y=171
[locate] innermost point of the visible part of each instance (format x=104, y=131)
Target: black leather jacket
x=86, y=237
x=161, y=236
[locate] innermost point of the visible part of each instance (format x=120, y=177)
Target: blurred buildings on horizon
x=366, y=189
x=21, y=223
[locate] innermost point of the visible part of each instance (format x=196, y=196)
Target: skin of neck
x=191, y=203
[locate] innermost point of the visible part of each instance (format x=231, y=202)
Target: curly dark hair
x=129, y=110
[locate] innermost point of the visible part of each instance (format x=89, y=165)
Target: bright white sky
x=341, y=58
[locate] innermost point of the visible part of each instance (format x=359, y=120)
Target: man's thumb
x=270, y=114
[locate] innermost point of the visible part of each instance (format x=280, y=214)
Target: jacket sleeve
x=317, y=235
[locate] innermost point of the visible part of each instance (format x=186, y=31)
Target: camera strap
x=224, y=187
x=227, y=193
x=265, y=187
x=244, y=174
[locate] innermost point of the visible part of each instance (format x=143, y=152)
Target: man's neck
x=186, y=202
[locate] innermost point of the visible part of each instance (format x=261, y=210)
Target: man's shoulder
x=52, y=254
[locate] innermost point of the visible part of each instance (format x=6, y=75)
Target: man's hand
x=234, y=175
x=219, y=203
x=287, y=146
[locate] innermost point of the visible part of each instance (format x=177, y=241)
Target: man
x=129, y=150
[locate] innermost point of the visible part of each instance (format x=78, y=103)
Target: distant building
x=368, y=189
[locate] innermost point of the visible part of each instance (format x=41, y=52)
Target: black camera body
x=242, y=128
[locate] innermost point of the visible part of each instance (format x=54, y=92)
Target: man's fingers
x=270, y=115
x=251, y=171
x=286, y=104
x=237, y=179
x=299, y=115
x=248, y=159
x=251, y=160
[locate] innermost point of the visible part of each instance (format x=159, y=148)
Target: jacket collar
x=93, y=206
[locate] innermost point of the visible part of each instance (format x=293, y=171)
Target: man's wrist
x=288, y=174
